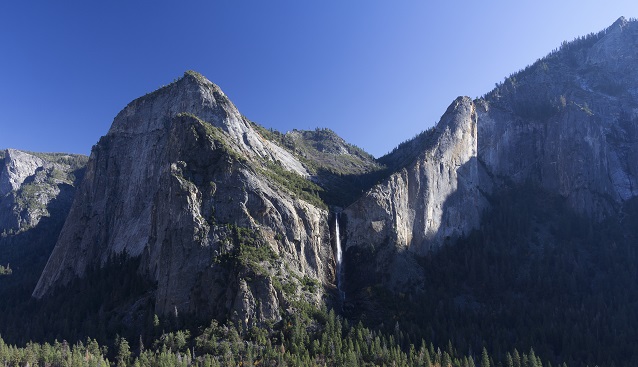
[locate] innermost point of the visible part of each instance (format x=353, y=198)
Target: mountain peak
x=622, y=21
x=198, y=78
x=620, y=25
x=192, y=76
x=192, y=93
x=459, y=105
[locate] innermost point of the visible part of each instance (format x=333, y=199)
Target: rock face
x=434, y=199
x=16, y=168
x=209, y=200
x=184, y=181
x=31, y=182
x=431, y=201
x=567, y=124
x=342, y=170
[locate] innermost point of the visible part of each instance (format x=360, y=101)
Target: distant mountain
x=510, y=224
x=342, y=170
x=33, y=184
x=36, y=192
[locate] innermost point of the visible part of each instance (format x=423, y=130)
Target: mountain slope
x=554, y=125
x=36, y=192
x=511, y=223
x=30, y=183
x=183, y=182
x=568, y=122
x=543, y=225
x=342, y=170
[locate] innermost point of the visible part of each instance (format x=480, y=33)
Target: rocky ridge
x=343, y=171
x=209, y=200
x=184, y=181
x=31, y=182
x=434, y=199
x=566, y=124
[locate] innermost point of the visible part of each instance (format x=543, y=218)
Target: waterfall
x=339, y=257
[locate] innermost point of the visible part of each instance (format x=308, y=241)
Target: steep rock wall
x=177, y=179
x=433, y=200
x=568, y=123
x=31, y=182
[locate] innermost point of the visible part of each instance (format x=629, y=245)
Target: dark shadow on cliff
x=380, y=276
x=343, y=189
x=27, y=253
x=109, y=299
x=534, y=274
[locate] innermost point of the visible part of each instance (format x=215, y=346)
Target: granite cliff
x=229, y=219
x=566, y=125
x=36, y=192
x=568, y=122
x=185, y=182
x=434, y=199
x=31, y=183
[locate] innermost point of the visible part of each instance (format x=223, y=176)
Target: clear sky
x=376, y=72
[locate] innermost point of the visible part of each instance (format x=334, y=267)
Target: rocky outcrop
x=569, y=122
x=31, y=182
x=17, y=166
x=183, y=181
x=208, y=199
x=433, y=200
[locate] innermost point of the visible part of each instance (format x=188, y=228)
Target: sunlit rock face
x=31, y=182
x=181, y=170
x=179, y=181
x=432, y=200
x=567, y=125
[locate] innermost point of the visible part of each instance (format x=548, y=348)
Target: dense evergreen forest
x=309, y=338
x=535, y=275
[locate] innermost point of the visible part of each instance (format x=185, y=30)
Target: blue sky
x=376, y=72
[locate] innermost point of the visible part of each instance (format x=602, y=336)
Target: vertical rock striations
x=433, y=199
x=568, y=122
x=183, y=181
x=566, y=125
x=30, y=183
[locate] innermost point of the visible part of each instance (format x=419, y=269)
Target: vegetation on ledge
x=297, y=185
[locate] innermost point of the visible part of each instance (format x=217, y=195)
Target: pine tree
x=427, y=359
x=516, y=358
x=123, y=352
x=485, y=359
x=509, y=361
x=447, y=360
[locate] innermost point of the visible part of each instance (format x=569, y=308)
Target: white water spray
x=339, y=257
